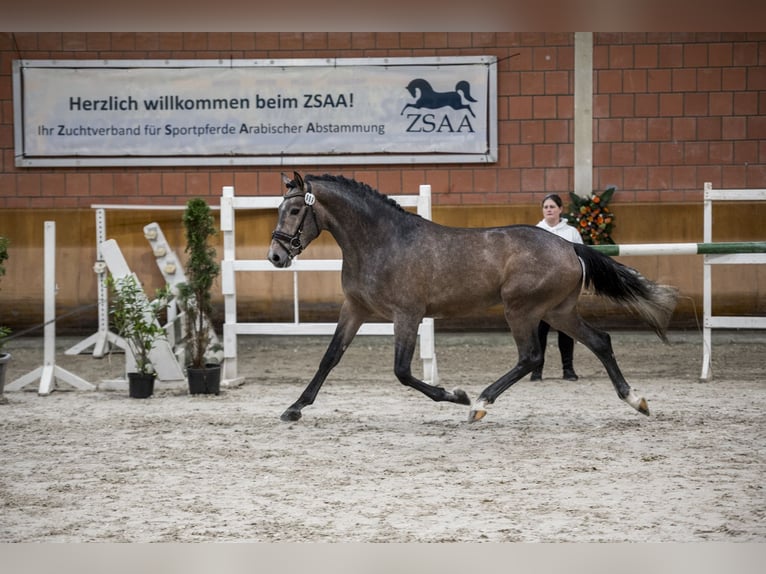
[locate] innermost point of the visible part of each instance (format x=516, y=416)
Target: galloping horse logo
x=432, y=100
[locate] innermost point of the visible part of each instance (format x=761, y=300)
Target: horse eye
x=295, y=211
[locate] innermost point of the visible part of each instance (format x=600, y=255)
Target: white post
x=49, y=371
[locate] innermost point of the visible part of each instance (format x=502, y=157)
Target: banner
x=389, y=110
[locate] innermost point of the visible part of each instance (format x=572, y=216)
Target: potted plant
x=136, y=320
x=5, y=357
x=195, y=298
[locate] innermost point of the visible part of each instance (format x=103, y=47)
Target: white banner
x=406, y=109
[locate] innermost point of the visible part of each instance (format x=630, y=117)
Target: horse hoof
x=638, y=403
x=478, y=412
x=475, y=416
x=461, y=397
x=290, y=416
x=643, y=407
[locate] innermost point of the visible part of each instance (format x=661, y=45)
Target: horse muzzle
x=278, y=256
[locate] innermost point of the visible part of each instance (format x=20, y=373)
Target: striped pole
x=683, y=248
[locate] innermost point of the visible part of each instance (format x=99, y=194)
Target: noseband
x=292, y=243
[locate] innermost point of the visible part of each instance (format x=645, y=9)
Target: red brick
x=600, y=57
x=608, y=81
x=606, y=176
x=646, y=56
x=696, y=153
x=533, y=180
x=709, y=79
x=430, y=39
x=460, y=180
x=756, y=78
x=709, y=128
x=721, y=104
x=459, y=39
x=544, y=107
x=621, y=56
x=244, y=41
x=149, y=184
x=756, y=127
x=544, y=58
x=684, y=80
x=710, y=173
x=99, y=41
x=413, y=178
x=635, y=178
x=720, y=55
x=734, y=79
x=671, y=56
x=658, y=81
x=544, y=155
x=684, y=129
x=696, y=104
x=557, y=83
x=521, y=155
x=634, y=129
x=623, y=153
x=532, y=132
x=745, y=54
x=77, y=184
x=601, y=154
x=557, y=180
x=733, y=176
x=745, y=104
x=733, y=128
x=557, y=131
x=565, y=107
x=671, y=105
x=532, y=83
x=621, y=105
x=509, y=132
x=696, y=55
x=28, y=185
x=601, y=105
x=565, y=155
x=484, y=181
x=659, y=177
x=746, y=152
x=671, y=153
x=609, y=130
x=755, y=176
x=647, y=153
x=634, y=80
x=684, y=177
x=721, y=152
x=520, y=107
x=647, y=105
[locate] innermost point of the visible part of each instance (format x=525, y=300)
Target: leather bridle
x=293, y=243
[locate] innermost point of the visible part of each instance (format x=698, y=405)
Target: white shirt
x=562, y=229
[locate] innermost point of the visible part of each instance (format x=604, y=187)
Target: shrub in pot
x=137, y=321
x=195, y=297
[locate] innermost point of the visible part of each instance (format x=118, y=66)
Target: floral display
x=592, y=217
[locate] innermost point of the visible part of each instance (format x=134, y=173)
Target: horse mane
x=360, y=188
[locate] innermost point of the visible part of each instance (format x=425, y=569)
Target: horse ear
x=286, y=180
x=298, y=180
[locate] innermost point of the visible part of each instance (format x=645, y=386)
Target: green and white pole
x=723, y=248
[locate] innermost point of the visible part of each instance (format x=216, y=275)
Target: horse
x=402, y=267
x=432, y=100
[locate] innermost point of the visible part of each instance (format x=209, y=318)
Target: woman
x=551, y=221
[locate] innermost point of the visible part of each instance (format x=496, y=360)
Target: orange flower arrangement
x=592, y=217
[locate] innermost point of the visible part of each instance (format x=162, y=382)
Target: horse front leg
x=349, y=322
x=530, y=356
x=405, y=337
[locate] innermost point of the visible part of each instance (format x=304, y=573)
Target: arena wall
x=670, y=112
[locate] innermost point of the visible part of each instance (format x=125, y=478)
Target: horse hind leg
x=600, y=344
x=405, y=337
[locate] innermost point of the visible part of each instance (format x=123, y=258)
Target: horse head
x=296, y=222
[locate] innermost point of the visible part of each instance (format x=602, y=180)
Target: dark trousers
x=566, y=345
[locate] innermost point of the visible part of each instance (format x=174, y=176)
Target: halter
x=292, y=243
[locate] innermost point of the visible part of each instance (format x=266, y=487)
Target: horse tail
x=465, y=87
x=652, y=302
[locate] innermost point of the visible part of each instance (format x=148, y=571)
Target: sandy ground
x=373, y=461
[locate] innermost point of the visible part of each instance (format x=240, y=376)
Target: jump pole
x=49, y=371
x=723, y=248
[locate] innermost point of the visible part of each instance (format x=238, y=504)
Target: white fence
x=724, y=322
x=230, y=265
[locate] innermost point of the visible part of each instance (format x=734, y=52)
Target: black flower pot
x=141, y=385
x=205, y=381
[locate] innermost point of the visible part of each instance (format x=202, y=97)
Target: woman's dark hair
x=555, y=197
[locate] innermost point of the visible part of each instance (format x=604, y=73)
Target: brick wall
x=670, y=112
